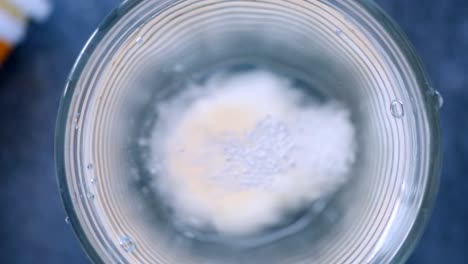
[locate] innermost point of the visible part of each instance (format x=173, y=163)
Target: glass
x=146, y=51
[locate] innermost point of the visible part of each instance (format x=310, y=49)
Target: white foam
x=241, y=151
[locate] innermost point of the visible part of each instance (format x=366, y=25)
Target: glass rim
x=388, y=24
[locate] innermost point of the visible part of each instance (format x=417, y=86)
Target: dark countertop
x=32, y=226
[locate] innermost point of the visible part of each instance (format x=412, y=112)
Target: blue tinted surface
x=32, y=226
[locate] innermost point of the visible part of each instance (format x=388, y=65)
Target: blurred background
x=32, y=226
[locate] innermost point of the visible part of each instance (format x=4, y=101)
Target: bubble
x=338, y=32
x=93, y=180
x=139, y=40
x=76, y=121
x=91, y=196
x=439, y=99
x=67, y=220
x=127, y=244
x=397, y=109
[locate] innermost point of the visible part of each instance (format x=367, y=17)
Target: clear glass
x=147, y=50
